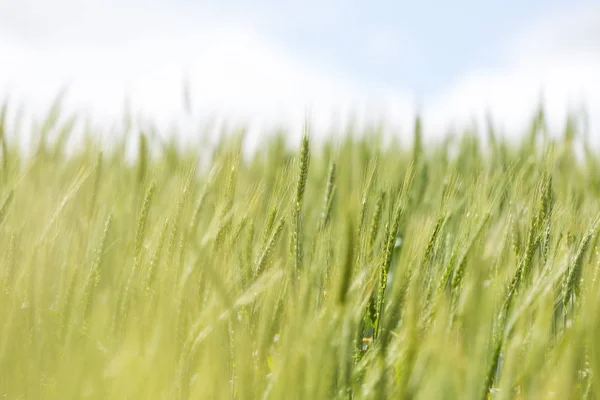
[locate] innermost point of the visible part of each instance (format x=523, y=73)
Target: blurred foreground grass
x=466, y=269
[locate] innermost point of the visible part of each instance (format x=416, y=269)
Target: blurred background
x=269, y=63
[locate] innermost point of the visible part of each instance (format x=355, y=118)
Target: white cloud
x=105, y=52
x=558, y=56
x=234, y=70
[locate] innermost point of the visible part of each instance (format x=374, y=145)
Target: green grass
x=465, y=269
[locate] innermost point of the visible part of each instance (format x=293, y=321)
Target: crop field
x=348, y=268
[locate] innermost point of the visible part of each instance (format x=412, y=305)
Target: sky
x=269, y=62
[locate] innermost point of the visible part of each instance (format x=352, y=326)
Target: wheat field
x=348, y=268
